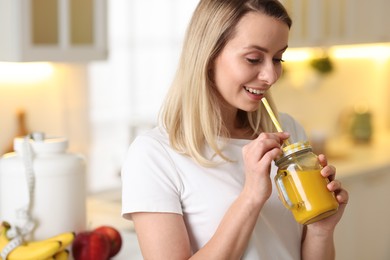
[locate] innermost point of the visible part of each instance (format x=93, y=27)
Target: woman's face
x=251, y=61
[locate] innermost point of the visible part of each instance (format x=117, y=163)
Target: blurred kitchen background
x=96, y=72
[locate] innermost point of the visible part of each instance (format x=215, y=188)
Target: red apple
x=89, y=245
x=113, y=236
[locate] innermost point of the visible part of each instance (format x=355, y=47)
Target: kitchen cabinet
x=53, y=30
x=336, y=22
x=363, y=232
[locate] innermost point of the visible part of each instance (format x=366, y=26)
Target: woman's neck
x=235, y=125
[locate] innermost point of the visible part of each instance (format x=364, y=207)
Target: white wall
x=126, y=91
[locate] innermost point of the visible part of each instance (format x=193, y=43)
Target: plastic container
x=301, y=186
x=58, y=203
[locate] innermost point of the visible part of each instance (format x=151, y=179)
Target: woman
x=200, y=185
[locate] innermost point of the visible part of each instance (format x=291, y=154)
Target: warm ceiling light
x=15, y=72
x=371, y=51
x=297, y=54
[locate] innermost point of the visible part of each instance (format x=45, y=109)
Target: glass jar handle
x=283, y=193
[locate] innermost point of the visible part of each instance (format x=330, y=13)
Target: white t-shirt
x=156, y=178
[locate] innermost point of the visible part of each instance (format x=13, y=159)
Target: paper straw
x=273, y=118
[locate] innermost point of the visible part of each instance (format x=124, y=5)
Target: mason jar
x=300, y=185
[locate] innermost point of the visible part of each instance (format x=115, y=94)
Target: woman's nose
x=268, y=73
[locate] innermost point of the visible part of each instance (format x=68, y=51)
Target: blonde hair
x=191, y=112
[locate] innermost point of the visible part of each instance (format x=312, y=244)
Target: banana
x=65, y=238
x=62, y=255
x=28, y=252
x=36, y=250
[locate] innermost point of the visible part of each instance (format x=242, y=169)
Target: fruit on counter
x=113, y=236
x=62, y=255
x=89, y=245
x=44, y=249
x=93, y=244
x=66, y=239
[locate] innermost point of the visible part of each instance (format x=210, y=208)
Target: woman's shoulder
x=153, y=136
x=149, y=145
x=291, y=125
x=286, y=119
x=156, y=132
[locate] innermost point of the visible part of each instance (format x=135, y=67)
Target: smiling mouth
x=254, y=91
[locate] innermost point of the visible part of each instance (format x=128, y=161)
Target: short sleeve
x=149, y=179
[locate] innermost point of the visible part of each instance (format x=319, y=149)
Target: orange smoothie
x=311, y=199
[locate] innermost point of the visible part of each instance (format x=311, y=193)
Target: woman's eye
x=259, y=60
x=278, y=60
x=253, y=61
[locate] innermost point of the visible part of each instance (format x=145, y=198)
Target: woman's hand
x=258, y=156
x=328, y=224
x=318, y=242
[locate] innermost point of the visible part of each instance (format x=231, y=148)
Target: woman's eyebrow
x=264, y=49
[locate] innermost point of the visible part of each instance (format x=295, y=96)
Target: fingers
x=323, y=160
x=334, y=185
x=259, y=154
x=264, y=143
x=328, y=171
x=268, y=145
x=267, y=141
x=341, y=194
x=277, y=136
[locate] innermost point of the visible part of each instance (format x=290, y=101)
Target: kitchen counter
x=364, y=169
x=105, y=209
x=354, y=159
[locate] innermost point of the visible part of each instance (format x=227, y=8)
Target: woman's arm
x=164, y=235
x=318, y=238
x=318, y=245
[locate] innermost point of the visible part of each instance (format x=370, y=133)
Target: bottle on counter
x=21, y=129
x=301, y=186
x=44, y=182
